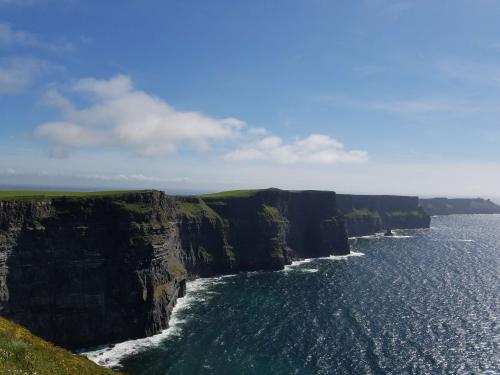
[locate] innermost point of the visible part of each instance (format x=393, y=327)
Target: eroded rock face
x=446, y=206
x=368, y=214
x=81, y=272
x=86, y=271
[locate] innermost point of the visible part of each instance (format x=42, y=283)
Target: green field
x=37, y=195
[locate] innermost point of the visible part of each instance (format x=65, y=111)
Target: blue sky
x=369, y=96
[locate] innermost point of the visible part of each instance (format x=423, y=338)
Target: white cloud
x=314, y=149
x=19, y=73
x=257, y=132
x=123, y=117
x=10, y=37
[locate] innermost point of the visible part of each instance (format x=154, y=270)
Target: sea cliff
x=83, y=271
x=368, y=214
x=447, y=206
x=80, y=271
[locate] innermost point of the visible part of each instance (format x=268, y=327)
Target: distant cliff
x=368, y=214
x=446, y=206
x=82, y=271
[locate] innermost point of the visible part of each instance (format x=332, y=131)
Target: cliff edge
x=368, y=214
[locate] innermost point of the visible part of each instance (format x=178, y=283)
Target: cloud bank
x=314, y=149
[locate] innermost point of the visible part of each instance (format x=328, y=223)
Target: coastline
x=110, y=356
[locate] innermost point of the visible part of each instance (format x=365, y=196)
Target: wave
x=111, y=355
x=296, y=263
x=379, y=236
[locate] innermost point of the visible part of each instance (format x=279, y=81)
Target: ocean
x=421, y=302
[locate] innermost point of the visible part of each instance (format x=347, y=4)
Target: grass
x=362, y=213
x=175, y=267
x=231, y=194
x=133, y=207
x=270, y=213
x=22, y=353
x=405, y=213
x=198, y=209
x=40, y=195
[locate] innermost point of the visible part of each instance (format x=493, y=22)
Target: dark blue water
x=425, y=304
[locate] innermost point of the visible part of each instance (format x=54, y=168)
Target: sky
x=355, y=96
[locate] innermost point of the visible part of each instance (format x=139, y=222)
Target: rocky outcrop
x=368, y=214
x=91, y=270
x=446, y=206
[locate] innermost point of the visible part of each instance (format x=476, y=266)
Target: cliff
x=84, y=271
x=88, y=270
x=445, y=206
x=23, y=353
x=368, y=214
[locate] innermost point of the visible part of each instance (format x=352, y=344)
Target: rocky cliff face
x=86, y=271
x=80, y=272
x=368, y=214
x=446, y=206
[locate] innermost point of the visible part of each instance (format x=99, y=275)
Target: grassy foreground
x=22, y=353
x=35, y=195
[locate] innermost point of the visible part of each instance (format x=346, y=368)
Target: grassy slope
x=30, y=195
x=198, y=209
x=25, y=354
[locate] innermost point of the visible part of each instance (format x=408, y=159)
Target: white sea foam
x=368, y=237
x=110, y=356
x=341, y=257
x=296, y=263
x=311, y=270
x=399, y=236
x=380, y=236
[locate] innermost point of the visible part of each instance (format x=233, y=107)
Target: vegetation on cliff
x=232, y=194
x=446, y=206
x=195, y=208
x=38, y=195
x=363, y=213
x=25, y=354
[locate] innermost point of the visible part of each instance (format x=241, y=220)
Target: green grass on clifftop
x=39, y=195
x=415, y=213
x=231, y=194
x=358, y=213
x=22, y=353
